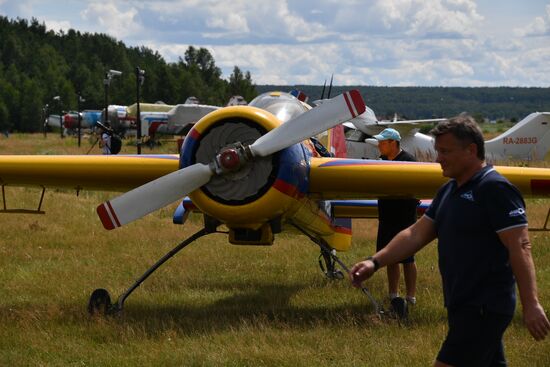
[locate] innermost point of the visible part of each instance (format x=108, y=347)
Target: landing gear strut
x=330, y=258
x=329, y=269
x=100, y=300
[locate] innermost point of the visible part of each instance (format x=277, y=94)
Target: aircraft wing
x=406, y=127
x=412, y=122
x=330, y=178
x=88, y=172
x=333, y=178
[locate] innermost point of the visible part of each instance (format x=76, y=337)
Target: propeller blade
x=153, y=195
x=329, y=114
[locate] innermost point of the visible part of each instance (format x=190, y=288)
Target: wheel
x=337, y=274
x=100, y=302
x=334, y=274
x=399, y=306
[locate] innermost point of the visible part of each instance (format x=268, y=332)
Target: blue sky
x=378, y=42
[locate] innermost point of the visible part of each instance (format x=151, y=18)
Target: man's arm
x=517, y=242
x=406, y=243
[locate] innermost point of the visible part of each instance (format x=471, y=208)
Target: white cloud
x=57, y=26
x=451, y=18
x=232, y=23
x=413, y=18
x=111, y=20
x=223, y=19
x=540, y=26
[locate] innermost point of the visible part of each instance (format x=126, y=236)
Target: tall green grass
x=213, y=304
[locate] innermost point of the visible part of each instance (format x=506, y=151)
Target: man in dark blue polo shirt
x=484, y=248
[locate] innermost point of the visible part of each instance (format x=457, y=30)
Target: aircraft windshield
x=282, y=105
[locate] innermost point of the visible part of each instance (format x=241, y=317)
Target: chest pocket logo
x=468, y=195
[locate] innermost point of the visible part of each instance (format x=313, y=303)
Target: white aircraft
x=529, y=139
x=160, y=118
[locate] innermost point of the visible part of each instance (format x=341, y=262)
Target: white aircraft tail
x=529, y=139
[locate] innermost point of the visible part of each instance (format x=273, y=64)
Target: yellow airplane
x=245, y=168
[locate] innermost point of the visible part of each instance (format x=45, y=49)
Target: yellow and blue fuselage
x=286, y=197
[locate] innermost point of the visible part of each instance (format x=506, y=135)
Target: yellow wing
x=333, y=178
x=330, y=178
x=98, y=172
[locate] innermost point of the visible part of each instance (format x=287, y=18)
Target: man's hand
x=536, y=321
x=360, y=272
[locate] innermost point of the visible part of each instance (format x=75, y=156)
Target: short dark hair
x=465, y=129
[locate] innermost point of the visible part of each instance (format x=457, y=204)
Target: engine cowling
x=262, y=189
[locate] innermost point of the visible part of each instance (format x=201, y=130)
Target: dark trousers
x=474, y=337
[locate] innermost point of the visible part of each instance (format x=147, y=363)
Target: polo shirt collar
x=478, y=176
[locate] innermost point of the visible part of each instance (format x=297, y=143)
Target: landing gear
x=329, y=269
x=330, y=258
x=100, y=300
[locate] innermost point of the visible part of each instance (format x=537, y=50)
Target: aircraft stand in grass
x=254, y=171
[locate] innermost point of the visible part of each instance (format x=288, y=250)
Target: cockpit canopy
x=283, y=105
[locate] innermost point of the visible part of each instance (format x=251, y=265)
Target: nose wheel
x=100, y=300
x=100, y=303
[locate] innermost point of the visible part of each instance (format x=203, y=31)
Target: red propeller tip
x=355, y=102
x=107, y=216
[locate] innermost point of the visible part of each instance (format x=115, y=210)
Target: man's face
x=385, y=147
x=453, y=156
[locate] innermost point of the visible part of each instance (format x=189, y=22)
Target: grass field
x=213, y=304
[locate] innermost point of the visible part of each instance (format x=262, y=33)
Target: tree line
x=493, y=103
x=36, y=65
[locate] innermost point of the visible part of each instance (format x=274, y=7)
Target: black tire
x=100, y=302
x=399, y=306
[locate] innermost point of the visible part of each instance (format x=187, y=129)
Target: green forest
x=37, y=65
x=493, y=103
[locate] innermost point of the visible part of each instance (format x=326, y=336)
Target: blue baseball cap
x=388, y=134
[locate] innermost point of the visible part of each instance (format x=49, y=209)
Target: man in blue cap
x=394, y=215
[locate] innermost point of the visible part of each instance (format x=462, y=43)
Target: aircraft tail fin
x=300, y=95
x=529, y=139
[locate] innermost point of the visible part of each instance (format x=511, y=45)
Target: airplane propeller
x=158, y=193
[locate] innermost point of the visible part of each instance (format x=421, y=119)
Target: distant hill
x=426, y=102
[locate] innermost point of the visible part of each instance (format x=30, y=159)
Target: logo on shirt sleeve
x=516, y=212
